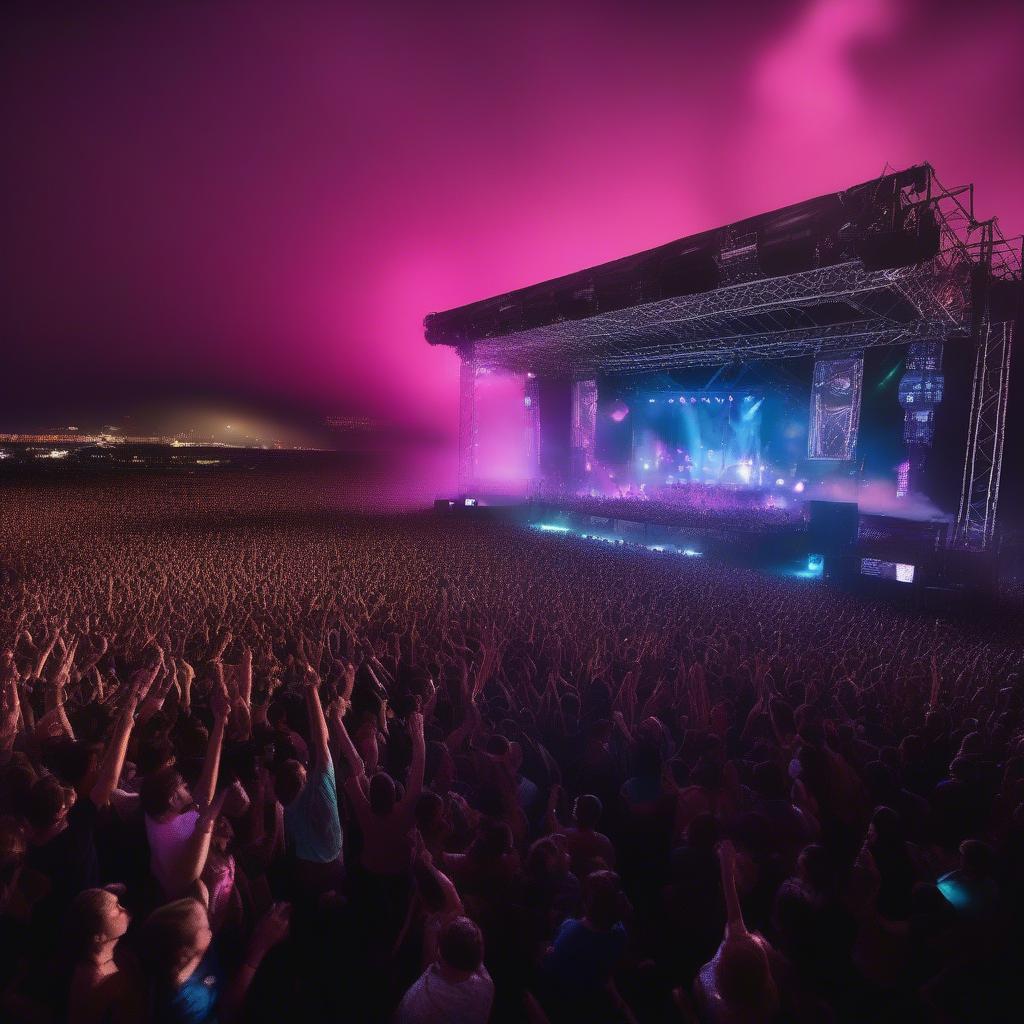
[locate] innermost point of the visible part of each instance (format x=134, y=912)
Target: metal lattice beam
x=986, y=436
x=468, y=424
x=766, y=318
x=583, y=427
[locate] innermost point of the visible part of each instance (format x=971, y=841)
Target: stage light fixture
x=799, y=487
x=780, y=482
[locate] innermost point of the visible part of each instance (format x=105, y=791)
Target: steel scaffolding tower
x=986, y=436
x=468, y=423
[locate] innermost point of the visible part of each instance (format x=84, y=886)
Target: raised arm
x=221, y=708
x=45, y=652
x=414, y=784
x=117, y=748
x=269, y=931
x=319, y=737
x=193, y=857
x=551, y=816
x=357, y=783
x=734, y=925
x=10, y=708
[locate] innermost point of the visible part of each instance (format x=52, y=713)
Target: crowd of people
x=263, y=761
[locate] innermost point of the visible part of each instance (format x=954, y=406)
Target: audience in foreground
x=258, y=766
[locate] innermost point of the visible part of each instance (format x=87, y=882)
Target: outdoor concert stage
x=796, y=354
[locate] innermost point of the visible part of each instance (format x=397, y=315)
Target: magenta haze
x=260, y=200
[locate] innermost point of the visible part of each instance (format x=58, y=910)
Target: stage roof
x=884, y=262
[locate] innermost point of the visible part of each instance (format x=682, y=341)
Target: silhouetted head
x=95, y=917
x=602, y=899
x=743, y=975
x=382, y=793
x=163, y=791
x=461, y=946
x=588, y=810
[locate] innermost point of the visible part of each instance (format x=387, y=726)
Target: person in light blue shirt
x=310, y=799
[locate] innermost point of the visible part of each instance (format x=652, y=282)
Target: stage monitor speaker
x=833, y=524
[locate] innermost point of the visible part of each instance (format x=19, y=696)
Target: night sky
x=254, y=204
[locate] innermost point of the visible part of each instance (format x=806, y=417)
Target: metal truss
x=768, y=318
x=531, y=424
x=468, y=422
x=976, y=518
x=835, y=407
x=584, y=423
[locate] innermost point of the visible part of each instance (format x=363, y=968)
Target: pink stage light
x=619, y=412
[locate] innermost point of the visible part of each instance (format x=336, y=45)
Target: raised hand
x=220, y=704
x=727, y=857
x=416, y=721
x=222, y=645
x=271, y=930
x=9, y=703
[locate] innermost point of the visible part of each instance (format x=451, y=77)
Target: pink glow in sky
x=258, y=202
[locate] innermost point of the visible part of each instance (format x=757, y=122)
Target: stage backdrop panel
x=835, y=407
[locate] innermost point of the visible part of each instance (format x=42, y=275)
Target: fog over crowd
x=262, y=759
